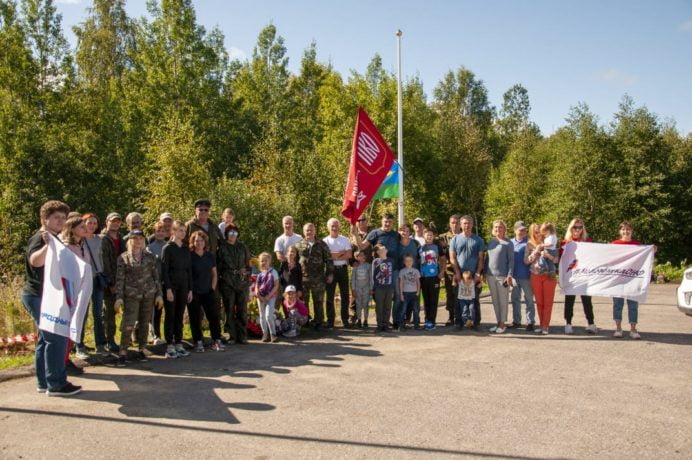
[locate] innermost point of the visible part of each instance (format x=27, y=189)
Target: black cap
x=202, y=202
x=137, y=232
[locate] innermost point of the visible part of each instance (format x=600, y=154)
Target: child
x=265, y=289
x=383, y=286
x=409, y=290
x=549, y=245
x=432, y=263
x=465, y=300
x=361, y=287
x=295, y=312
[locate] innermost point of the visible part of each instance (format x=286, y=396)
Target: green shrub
x=671, y=272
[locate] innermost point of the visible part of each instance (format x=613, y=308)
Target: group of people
x=204, y=269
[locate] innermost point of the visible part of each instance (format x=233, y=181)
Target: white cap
x=290, y=288
x=165, y=215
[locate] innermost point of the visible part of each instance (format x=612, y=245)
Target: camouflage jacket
x=444, y=240
x=315, y=260
x=137, y=279
x=233, y=265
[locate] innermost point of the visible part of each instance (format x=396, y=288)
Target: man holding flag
x=51, y=347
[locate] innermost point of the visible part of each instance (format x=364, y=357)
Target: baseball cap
x=290, y=288
x=202, y=202
x=418, y=219
x=519, y=224
x=165, y=215
x=137, y=232
x=113, y=216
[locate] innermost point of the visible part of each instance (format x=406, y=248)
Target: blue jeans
x=49, y=356
x=522, y=285
x=97, y=313
x=632, y=309
x=410, y=303
x=465, y=311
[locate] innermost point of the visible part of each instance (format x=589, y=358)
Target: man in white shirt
x=418, y=230
x=340, y=248
x=286, y=240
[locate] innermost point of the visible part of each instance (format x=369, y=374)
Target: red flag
x=371, y=159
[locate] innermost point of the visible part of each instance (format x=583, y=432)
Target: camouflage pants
x=314, y=290
x=136, y=310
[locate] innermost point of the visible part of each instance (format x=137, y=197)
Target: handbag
x=101, y=280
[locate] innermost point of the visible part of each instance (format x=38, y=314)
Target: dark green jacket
x=233, y=265
x=214, y=234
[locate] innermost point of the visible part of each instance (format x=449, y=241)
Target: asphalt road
x=357, y=394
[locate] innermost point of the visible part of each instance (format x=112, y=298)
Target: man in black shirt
x=50, y=348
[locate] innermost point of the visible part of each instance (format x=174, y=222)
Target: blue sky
x=562, y=52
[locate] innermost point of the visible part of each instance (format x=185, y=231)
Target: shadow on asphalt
x=270, y=436
x=186, y=388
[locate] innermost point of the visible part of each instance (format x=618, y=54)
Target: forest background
x=149, y=114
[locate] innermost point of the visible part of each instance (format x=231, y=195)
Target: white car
x=685, y=293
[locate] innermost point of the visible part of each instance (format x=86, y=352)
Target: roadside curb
x=17, y=373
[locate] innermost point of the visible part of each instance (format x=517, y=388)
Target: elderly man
x=316, y=262
x=202, y=222
x=340, y=249
x=522, y=278
x=450, y=289
x=285, y=240
x=466, y=252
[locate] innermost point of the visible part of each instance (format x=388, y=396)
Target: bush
x=670, y=272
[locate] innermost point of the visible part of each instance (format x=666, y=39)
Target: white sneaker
x=635, y=335
x=181, y=350
x=170, y=352
x=493, y=329
x=500, y=330
x=618, y=334
x=545, y=332
x=82, y=354
x=218, y=346
x=159, y=341
x=199, y=347
x=591, y=329
x=568, y=329
x=538, y=330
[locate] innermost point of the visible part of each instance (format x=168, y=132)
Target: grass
x=14, y=361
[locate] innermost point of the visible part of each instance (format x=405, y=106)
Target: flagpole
x=400, y=133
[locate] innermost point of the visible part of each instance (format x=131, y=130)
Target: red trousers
x=543, y=287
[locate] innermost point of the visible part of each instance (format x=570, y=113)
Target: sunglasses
x=203, y=209
x=232, y=233
x=362, y=220
x=577, y=227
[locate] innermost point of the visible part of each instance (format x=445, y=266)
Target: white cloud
x=236, y=53
x=686, y=26
x=617, y=76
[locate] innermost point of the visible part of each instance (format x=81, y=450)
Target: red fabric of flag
x=371, y=159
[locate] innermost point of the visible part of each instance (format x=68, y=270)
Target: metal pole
x=400, y=130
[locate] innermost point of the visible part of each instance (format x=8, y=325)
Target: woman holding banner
x=619, y=302
x=543, y=279
x=576, y=231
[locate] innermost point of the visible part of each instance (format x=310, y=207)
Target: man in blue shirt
x=466, y=253
x=522, y=279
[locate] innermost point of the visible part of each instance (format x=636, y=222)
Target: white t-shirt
x=550, y=241
x=283, y=242
x=420, y=239
x=338, y=244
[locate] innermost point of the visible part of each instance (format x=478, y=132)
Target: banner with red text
x=611, y=270
x=371, y=159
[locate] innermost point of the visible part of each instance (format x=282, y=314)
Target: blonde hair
x=291, y=249
x=131, y=241
x=227, y=212
x=133, y=215
x=500, y=222
x=547, y=226
x=572, y=223
x=263, y=255
x=533, y=229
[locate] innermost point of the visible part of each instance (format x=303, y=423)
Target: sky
x=562, y=52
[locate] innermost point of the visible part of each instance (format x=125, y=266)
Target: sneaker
x=530, y=327
x=513, y=326
x=72, y=369
x=67, y=390
x=101, y=350
x=122, y=361
x=113, y=348
x=170, y=352
x=217, y=346
x=545, y=332
x=181, y=350
x=141, y=357
x=500, y=330
x=469, y=324
x=493, y=329
x=274, y=339
x=265, y=339
x=82, y=354
x=41, y=390
x=329, y=326
x=617, y=334
x=159, y=341
x=635, y=335
x=359, y=324
x=433, y=326
x=591, y=329
x=538, y=330
x=449, y=323
x=417, y=327
x=199, y=347
x=568, y=329
x=365, y=324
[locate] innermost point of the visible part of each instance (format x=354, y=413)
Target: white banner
x=67, y=286
x=610, y=270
